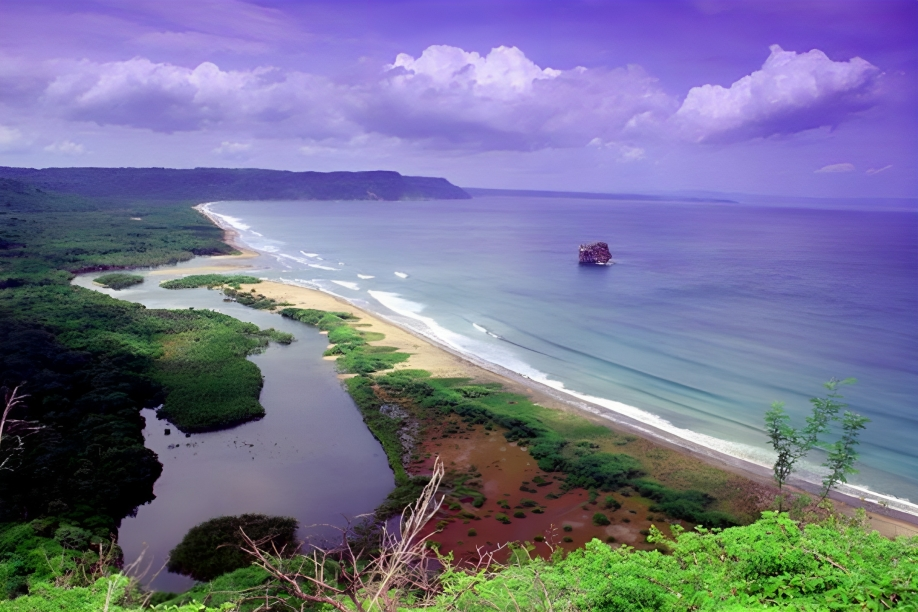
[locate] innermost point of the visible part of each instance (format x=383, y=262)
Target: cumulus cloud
x=448, y=98
x=835, y=168
x=504, y=73
x=66, y=147
x=505, y=101
x=791, y=93
x=169, y=98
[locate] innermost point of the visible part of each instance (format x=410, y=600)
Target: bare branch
x=13, y=431
x=346, y=578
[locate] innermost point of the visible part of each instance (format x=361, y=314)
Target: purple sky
x=816, y=98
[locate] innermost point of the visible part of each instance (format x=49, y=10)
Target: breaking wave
x=347, y=284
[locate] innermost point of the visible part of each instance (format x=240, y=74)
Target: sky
x=780, y=97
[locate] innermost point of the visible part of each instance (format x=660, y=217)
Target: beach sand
x=443, y=362
x=440, y=360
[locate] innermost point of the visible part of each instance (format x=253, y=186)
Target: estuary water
x=711, y=312
x=311, y=457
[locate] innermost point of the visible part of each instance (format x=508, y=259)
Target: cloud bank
x=452, y=99
x=791, y=93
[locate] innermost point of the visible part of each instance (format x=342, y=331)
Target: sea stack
x=595, y=253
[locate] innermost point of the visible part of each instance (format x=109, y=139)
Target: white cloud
x=169, y=98
x=835, y=168
x=66, y=147
x=792, y=92
x=10, y=138
x=448, y=98
x=455, y=98
x=503, y=73
x=872, y=171
x=233, y=150
x=625, y=152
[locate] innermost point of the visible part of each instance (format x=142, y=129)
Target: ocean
x=710, y=313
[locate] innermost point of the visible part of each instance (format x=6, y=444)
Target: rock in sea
x=595, y=253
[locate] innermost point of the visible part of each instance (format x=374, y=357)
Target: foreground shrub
x=772, y=564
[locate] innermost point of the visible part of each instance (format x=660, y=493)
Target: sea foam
x=348, y=284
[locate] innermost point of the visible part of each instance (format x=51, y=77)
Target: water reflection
x=311, y=457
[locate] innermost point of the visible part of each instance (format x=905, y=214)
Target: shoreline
x=441, y=360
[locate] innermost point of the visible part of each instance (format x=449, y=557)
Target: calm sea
x=710, y=313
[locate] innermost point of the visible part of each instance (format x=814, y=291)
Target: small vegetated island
x=77, y=366
x=118, y=280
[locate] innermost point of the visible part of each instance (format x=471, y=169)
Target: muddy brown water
x=311, y=457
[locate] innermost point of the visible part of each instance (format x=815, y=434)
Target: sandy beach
x=440, y=360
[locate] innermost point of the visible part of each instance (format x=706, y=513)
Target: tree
x=792, y=444
x=842, y=455
x=786, y=442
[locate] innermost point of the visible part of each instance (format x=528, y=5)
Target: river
x=311, y=457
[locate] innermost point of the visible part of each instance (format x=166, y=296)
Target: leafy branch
x=791, y=444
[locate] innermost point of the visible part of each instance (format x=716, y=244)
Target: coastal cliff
x=205, y=184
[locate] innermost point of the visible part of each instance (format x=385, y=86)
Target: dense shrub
x=213, y=547
x=690, y=505
x=118, y=280
x=771, y=564
x=210, y=280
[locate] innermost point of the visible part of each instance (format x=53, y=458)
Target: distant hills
x=477, y=192
x=208, y=184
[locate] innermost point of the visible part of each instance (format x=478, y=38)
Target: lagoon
x=311, y=457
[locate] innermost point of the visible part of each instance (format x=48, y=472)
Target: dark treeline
x=209, y=184
x=88, y=363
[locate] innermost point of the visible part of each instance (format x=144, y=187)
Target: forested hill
x=208, y=184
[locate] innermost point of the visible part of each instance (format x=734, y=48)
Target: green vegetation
x=46, y=236
x=231, y=287
x=213, y=184
x=212, y=385
x=88, y=363
x=115, y=593
x=210, y=281
x=791, y=444
x=774, y=563
x=563, y=446
x=118, y=280
x=242, y=590
x=212, y=548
